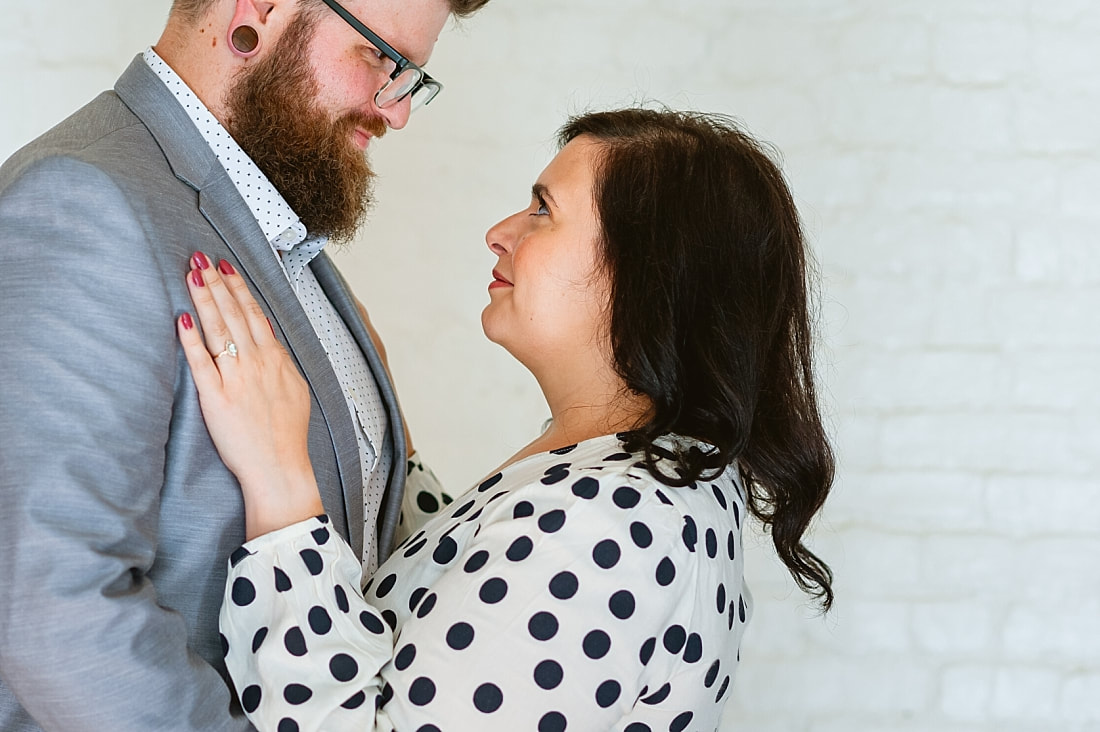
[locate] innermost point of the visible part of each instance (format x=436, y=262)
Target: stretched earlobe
x=244, y=40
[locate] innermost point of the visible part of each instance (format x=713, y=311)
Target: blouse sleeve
x=303, y=649
x=423, y=499
x=547, y=619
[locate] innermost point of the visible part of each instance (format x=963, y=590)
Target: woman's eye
x=541, y=209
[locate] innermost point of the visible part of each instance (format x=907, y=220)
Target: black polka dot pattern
x=606, y=553
x=319, y=620
x=343, y=667
x=250, y=698
x=568, y=591
x=341, y=599
x=488, y=698
x=564, y=585
x=587, y=487
x=243, y=591
x=622, y=604
x=552, y=722
x=282, y=582
x=258, y=639
x=596, y=644
x=460, y=636
x=295, y=642
x=355, y=700
x=493, y=591
x=548, y=674
x=543, y=626
x=552, y=521
x=422, y=691
x=404, y=657
x=424, y=497
x=520, y=549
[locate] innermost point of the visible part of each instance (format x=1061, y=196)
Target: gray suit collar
x=220, y=202
x=149, y=99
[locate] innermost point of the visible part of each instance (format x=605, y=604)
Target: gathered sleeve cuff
x=296, y=591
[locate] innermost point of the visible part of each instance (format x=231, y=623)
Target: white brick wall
x=946, y=155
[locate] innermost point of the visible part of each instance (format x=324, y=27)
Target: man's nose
x=397, y=115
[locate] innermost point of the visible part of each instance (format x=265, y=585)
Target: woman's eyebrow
x=541, y=192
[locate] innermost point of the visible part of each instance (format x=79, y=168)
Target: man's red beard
x=308, y=157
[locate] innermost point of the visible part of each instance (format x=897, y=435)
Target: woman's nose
x=501, y=236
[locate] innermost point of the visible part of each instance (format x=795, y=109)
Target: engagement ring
x=230, y=350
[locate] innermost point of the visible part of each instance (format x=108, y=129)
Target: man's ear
x=249, y=28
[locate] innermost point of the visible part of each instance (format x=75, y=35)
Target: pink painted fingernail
x=226, y=268
x=199, y=260
x=186, y=322
x=196, y=278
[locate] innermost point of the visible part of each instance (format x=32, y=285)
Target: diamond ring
x=230, y=350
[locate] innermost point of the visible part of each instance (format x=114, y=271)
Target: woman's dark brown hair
x=709, y=312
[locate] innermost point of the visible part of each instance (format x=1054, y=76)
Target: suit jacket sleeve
x=89, y=376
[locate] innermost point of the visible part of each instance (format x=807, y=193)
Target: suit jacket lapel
x=339, y=294
x=220, y=202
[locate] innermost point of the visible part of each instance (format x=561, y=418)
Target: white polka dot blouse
x=572, y=590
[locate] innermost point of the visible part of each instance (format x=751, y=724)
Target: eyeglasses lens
x=397, y=89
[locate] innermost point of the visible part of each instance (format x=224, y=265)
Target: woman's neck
x=582, y=409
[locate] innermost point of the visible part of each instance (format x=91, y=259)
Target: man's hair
x=194, y=10
x=191, y=11
x=466, y=8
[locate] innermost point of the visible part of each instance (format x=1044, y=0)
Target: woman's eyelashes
x=540, y=207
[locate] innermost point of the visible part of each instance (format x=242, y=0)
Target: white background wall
x=946, y=157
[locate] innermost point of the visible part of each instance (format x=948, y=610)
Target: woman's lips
x=498, y=281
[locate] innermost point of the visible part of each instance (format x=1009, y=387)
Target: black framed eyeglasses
x=406, y=78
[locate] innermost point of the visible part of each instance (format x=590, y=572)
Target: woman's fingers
x=214, y=327
x=206, y=375
x=223, y=321
x=258, y=325
x=256, y=405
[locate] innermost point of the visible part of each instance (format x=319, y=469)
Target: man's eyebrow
x=541, y=192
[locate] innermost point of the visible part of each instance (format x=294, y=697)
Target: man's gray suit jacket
x=116, y=515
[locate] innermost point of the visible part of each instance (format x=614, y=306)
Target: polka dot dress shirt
x=570, y=591
x=295, y=249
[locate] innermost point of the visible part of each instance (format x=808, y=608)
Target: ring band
x=230, y=350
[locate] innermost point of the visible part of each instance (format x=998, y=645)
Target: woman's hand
x=254, y=401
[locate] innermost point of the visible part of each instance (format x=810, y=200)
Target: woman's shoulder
x=602, y=480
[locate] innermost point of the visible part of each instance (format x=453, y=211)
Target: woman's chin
x=496, y=332
x=489, y=326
